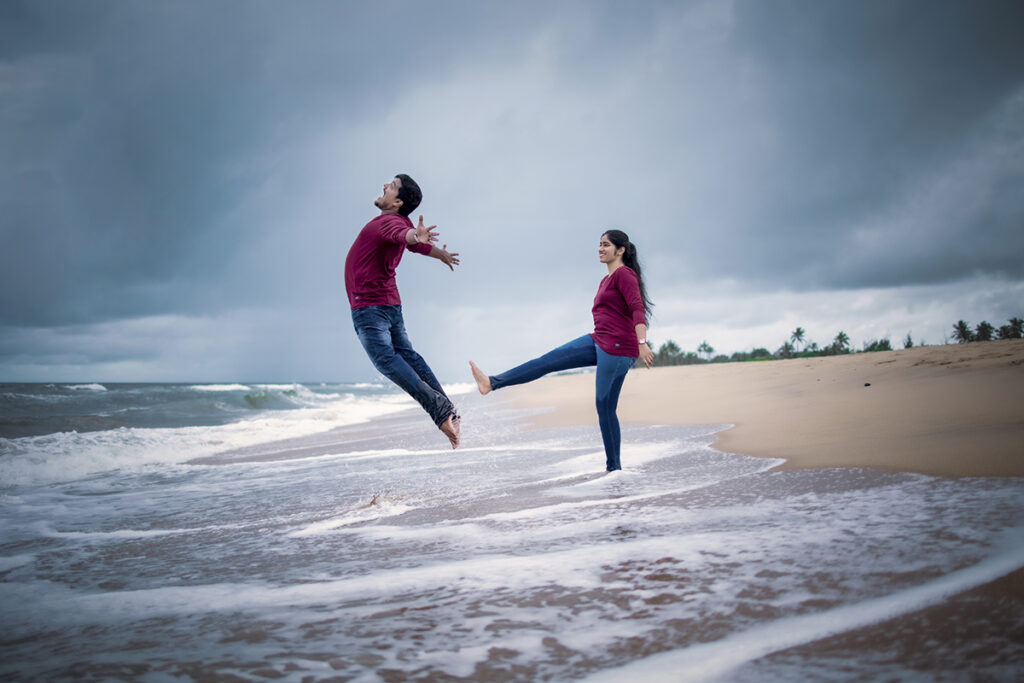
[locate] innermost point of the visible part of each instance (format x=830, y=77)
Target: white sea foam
x=579, y=568
x=456, y=533
x=123, y=534
x=219, y=387
x=634, y=455
x=378, y=509
x=546, y=511
x=86, y=387
x=458, y=388
x=67, y=456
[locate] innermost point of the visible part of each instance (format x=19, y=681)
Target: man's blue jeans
x=581, y=353
x=382, y=333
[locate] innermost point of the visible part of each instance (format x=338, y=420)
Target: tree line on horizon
x=798, y=346
x=985, y=331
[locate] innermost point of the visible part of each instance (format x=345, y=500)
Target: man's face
x=389, y=201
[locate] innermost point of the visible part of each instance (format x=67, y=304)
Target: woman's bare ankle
x=483, y=382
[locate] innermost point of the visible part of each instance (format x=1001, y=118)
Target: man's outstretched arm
x=421, y=234
x=444, y=256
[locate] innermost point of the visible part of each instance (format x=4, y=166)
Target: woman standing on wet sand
x=620, y=310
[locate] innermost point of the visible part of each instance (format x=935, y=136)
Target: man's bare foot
x=483, y=382
x=451, y=428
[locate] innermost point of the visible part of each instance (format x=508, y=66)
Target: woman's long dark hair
x=629, y=258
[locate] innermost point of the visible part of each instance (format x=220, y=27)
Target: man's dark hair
x=409, y=193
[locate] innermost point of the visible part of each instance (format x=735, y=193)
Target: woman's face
x=607, y=251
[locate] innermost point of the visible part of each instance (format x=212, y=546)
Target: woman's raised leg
x=578, y=353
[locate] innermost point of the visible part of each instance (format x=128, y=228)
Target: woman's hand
x=646, y=355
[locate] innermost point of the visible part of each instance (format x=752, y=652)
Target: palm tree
x=706, y=349
x=842, y=341
x=798, y=335
x=984, y=331
x=1015, y=330
x=669, y=354
x=878, y=345
x=786, y=350
x=962, y=332
x=908, y=343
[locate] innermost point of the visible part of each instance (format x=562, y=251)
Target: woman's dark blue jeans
x=381, y=331
x=581, y=353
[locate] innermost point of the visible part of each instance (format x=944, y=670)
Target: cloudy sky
x=180, y=181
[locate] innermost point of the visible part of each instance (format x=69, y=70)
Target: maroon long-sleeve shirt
x=618, y=309
x=372, y=260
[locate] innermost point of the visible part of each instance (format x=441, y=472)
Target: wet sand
x=952, y=410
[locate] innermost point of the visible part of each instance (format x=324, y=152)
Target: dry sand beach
x=953, y=410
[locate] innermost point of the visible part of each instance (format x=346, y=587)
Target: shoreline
x=951, y=410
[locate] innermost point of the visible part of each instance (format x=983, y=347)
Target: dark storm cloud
x=104, y=184
x=872, y=100
x=130, y=130
x=202, y=165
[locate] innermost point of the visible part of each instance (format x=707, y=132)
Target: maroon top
x=373, y=258
x=618, y=309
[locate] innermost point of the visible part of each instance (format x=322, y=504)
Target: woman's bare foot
x=483, y=382
x=452, y=427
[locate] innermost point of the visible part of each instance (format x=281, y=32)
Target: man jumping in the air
x=377, y=308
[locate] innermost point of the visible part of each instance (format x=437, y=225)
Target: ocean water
x=40, y=409
x=328, y=533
